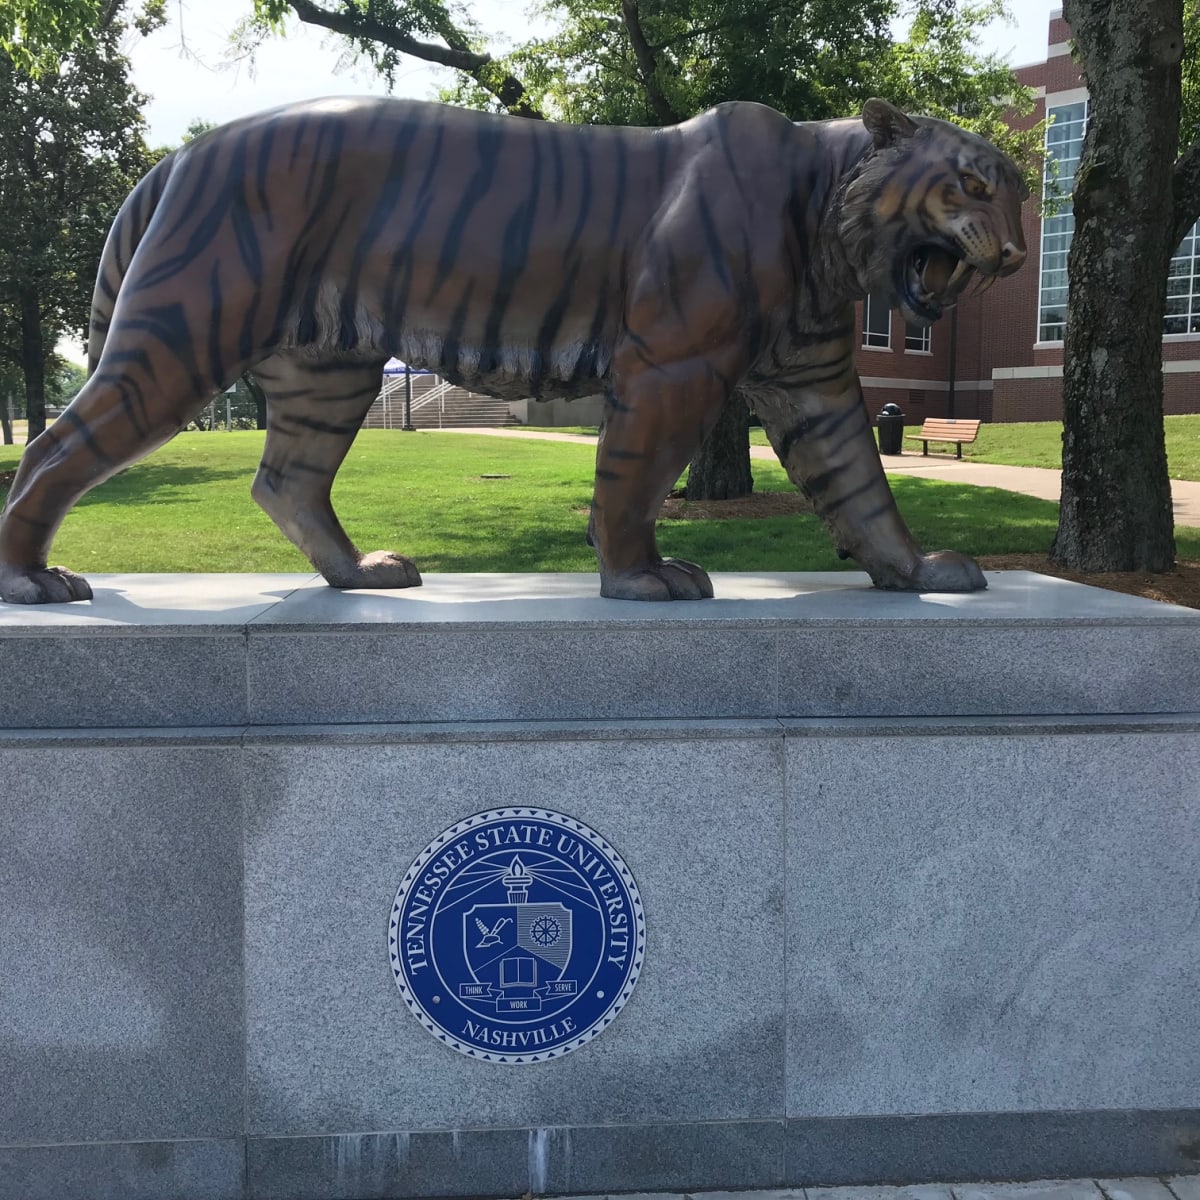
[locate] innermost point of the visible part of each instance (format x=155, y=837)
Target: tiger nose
x=1011, y=257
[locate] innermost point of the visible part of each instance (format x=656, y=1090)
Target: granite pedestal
x=921, y=880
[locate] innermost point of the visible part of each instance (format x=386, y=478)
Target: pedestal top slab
x=196, y=603
x=165, y=651
x=157, y=603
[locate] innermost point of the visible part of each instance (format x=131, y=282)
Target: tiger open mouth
x=931, y=279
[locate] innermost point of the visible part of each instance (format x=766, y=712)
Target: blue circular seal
x=517, y=935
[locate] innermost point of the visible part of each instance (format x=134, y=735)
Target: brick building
x=1001, y=360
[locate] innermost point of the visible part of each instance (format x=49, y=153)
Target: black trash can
x=891, y=429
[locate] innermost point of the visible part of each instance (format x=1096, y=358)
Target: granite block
x=330, y=833
x=389, y=1166
x=510, y=674
x=1187, y=1187
x=154, y=650
x=550, y=1161
x=970, y=1146
x=984, y=669
x=107, y=679
x=993, y=924
x=188, y=1170
x=121, y=959
x=929, y=1191
x=771, y=1194
x=1044, y=1189
x=1135, y=1189
x=667, y=1157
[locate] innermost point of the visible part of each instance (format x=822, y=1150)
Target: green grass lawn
x=1039, y=444
x=188, y=508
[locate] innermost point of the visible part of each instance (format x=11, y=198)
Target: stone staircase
x=437, y=405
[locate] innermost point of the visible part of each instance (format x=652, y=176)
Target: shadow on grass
x=162, y=483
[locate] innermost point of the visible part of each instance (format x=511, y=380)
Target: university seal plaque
x=517, y=935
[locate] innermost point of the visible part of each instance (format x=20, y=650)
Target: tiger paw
x=42, y=585
x=671, y=579
x=379, y=569
x=942, y=571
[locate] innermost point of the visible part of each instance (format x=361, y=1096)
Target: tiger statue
x=667, y=268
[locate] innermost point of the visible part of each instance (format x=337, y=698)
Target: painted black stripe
x=716, y=252
x=263, y=164
x=621, y=150
x=514, y=257
x=864, y=489
x=391, y=188
x=169, y=324
x=489, y=144
x=315, y=425
x=725, y=137
x=584, y=146
x=85, y=433
x=216, y=360
x=555, y=141
x=400, y=281
x=452, y=345
x=551, y=323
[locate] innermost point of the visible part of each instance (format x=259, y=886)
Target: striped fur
x=667, y=268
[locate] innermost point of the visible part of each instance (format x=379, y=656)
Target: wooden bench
x=944, y=429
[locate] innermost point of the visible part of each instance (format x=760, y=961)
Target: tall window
x=877, y=323
x=1064, y=143
x=917, y=339
x=1183, y=286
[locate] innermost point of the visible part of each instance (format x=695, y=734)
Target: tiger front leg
x=655, y=420
x=823, y=439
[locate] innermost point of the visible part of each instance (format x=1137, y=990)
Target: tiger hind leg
x=314, y=411
x=116, y=419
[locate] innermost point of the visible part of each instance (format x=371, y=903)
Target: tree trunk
x=721, y=468
x=33, y=361
x=1116, y=497
x=6, y=425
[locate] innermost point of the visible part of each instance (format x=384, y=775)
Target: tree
x=32, y=31
x=71, y=148
x=1133, y=202
x=384, y=30
x=35, y=34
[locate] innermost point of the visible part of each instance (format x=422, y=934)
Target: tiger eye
x=974, y=187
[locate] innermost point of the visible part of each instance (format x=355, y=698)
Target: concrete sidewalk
x=1029, y=481
x=1178, y=1187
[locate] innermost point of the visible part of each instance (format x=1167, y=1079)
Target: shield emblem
x=517, y=946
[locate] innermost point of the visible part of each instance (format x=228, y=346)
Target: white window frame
x=1056, y=100
x=867, y=332
x=923, y=335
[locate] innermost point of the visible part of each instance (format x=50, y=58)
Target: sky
x=185, y=67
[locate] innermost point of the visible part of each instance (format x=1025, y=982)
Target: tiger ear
x=886, y=123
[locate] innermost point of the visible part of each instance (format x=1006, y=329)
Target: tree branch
x=647, y=65
x=1187, y=192
x=481, y=67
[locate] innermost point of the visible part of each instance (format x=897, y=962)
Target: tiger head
x=927, y=208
